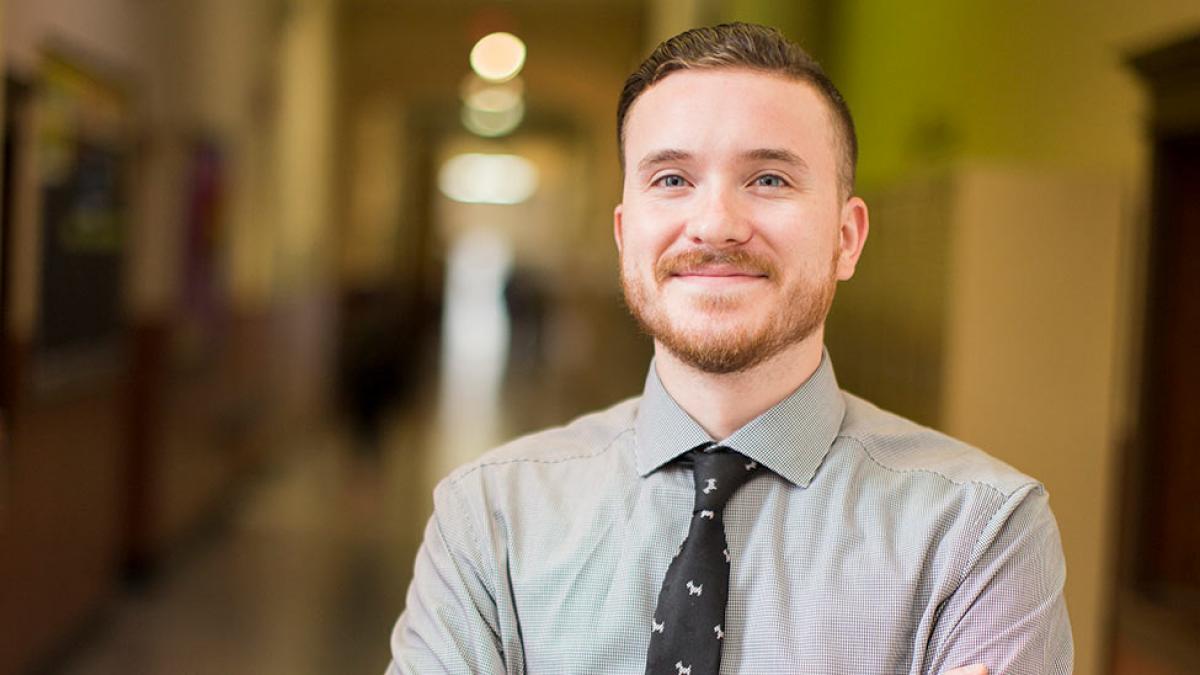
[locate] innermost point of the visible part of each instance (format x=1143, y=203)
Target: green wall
x=1041, y=83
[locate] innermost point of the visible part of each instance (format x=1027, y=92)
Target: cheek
x=636, y=259
x=806, y=224
x=642, y=243
x=796, y=232
x=812, y=255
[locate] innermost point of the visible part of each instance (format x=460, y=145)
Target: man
x=743, y=515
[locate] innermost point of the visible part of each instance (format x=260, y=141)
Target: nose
x=719, y=220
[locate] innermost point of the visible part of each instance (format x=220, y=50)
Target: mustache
x=741, y=260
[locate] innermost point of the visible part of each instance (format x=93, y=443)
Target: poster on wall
x=203, y=319
x=83, y=160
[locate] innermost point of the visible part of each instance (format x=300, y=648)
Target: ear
x=852, y=236
x=618, y=233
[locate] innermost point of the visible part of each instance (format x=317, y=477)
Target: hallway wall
x=61, y=517
x=221, y=352
x=1034, y=127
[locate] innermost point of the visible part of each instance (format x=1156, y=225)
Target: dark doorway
x=1169, y=568
x=1158, y=599
x=15, y=97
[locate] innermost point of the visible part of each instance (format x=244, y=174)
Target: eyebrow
x=760, y=154
x=777, y=155
x=662, y=157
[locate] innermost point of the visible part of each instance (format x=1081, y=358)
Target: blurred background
x=270, y=268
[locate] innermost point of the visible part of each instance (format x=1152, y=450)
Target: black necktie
x=689, y=620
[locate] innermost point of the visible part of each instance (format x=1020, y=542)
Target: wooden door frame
x=1171, y=74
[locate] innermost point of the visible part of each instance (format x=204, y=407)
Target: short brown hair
x=742, y=45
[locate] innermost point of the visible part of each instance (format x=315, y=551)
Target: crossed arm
x=1007, y=613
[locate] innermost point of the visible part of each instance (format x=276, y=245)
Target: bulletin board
x=84, y=158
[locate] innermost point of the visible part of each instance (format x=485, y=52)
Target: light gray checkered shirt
x=873, y=545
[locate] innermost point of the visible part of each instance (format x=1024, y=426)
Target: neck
x=724, y=403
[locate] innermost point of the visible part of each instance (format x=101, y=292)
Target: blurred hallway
x=271, y=268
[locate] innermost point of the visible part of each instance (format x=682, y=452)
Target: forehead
x=730, y=110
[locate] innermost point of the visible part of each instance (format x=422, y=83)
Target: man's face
x=732, y=230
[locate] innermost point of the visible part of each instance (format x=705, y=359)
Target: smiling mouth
x=717, y=283
x=719, y=272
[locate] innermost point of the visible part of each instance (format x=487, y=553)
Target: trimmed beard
x=740, y=348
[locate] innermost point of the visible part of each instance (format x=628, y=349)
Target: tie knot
x=718, y=473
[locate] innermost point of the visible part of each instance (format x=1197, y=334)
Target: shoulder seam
x=950, y=480
x=537, y=460
x=472, y=527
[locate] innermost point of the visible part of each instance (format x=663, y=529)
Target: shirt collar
x=791, y=438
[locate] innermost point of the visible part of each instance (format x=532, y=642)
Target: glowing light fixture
x=492, y=96
x=476, y=178
x=492, y=123
x=492, y=109
x=498, y=57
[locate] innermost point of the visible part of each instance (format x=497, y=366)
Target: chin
x=732, y=305
x=721, y=357
x=718, y=324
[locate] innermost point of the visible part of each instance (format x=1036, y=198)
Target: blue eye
x=672, y=181
x=770, y=180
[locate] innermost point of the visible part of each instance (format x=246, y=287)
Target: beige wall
x=304, y=143
x=375, y=142
x=1033, y=347
x=110, y=30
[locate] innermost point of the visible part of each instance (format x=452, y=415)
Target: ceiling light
x=498, y=57
x=493, y=123
x=491, y=96
x=477, y=178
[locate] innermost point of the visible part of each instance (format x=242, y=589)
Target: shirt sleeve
x=450, y=623
x=1008, y=611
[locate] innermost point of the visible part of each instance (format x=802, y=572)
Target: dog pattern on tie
x=701, y=564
